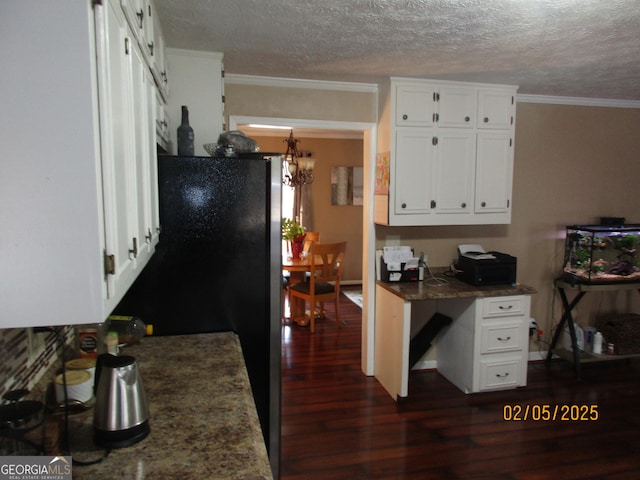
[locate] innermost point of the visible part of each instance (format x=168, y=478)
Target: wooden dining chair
x=309, y=239
x=324, y=281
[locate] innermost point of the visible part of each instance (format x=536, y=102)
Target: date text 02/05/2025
x=548, y=412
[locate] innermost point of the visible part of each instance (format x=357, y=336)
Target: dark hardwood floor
x=338, y=423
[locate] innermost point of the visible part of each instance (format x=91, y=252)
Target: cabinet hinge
x=109, y=264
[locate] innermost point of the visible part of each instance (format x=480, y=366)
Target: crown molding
x=255, y=80
x=580, y=101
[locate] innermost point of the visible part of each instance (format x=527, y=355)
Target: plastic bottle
x=597, y=343
x=111, y=343
x=130, y=330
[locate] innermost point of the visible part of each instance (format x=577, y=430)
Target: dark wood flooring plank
x=339, y=424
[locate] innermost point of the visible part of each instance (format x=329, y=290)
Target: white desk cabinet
x=486, y=346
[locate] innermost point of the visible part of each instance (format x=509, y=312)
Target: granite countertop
x=203, y=418
x=450, y=287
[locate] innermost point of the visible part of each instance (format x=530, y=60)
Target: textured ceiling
x=575, y=48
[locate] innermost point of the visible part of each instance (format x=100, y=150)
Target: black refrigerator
x=217, y=266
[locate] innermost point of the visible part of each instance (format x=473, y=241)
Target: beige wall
x=573, y=164
x=299, y=103
x=335, y=223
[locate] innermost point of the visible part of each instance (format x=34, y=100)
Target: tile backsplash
x=25, y=356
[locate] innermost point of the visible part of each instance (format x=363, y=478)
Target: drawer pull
x=502, y=376
x=504, y=339
x=507, y=307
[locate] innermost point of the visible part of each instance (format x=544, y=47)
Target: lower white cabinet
x=487, y=346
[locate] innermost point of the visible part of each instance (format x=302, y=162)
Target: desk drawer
x=499, y=374
x=503, y=306
x=503, y=336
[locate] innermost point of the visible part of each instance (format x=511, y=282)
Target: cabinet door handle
x=134, y=251
x=486, y=119
x=434, y=141
x=150, y=45
x=404, y=205
x=149, y=236
x=503, y=340
x=484, y=204
x=464, y=205
x=467, y=119
x=140, y=16
x=405, y=116
x=433, y=204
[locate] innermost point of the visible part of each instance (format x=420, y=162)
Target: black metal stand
x=567, y=307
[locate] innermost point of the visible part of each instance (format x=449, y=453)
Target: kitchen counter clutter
x=454, y=288
x=482, y=333
x=203, y=418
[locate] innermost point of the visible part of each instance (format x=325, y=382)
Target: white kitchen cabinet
x=437, y=171
x=159, y=60
x=146, y=225
x=487, y=346
x=162, y=122
x=496, y=109
x=71, y=189
x=464, y=174
x=457, y=107
x=415, y=105
x=139, y=15
x=127, y=121
x=419, y=170
x=494, y=172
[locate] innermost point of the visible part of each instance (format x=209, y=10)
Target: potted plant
x=293, y=232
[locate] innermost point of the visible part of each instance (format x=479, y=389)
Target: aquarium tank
x=602, y=253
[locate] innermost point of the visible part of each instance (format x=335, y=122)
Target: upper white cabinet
x=78, y=180
x=451, y=154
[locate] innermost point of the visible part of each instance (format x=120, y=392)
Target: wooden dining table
x=298, y=268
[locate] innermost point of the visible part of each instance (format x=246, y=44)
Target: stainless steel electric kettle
x=121, y=415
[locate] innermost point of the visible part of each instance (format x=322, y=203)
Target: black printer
x=486, y=268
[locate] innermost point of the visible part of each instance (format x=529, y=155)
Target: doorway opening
x=366, y=134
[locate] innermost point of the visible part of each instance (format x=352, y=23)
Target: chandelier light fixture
x=298, y=170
